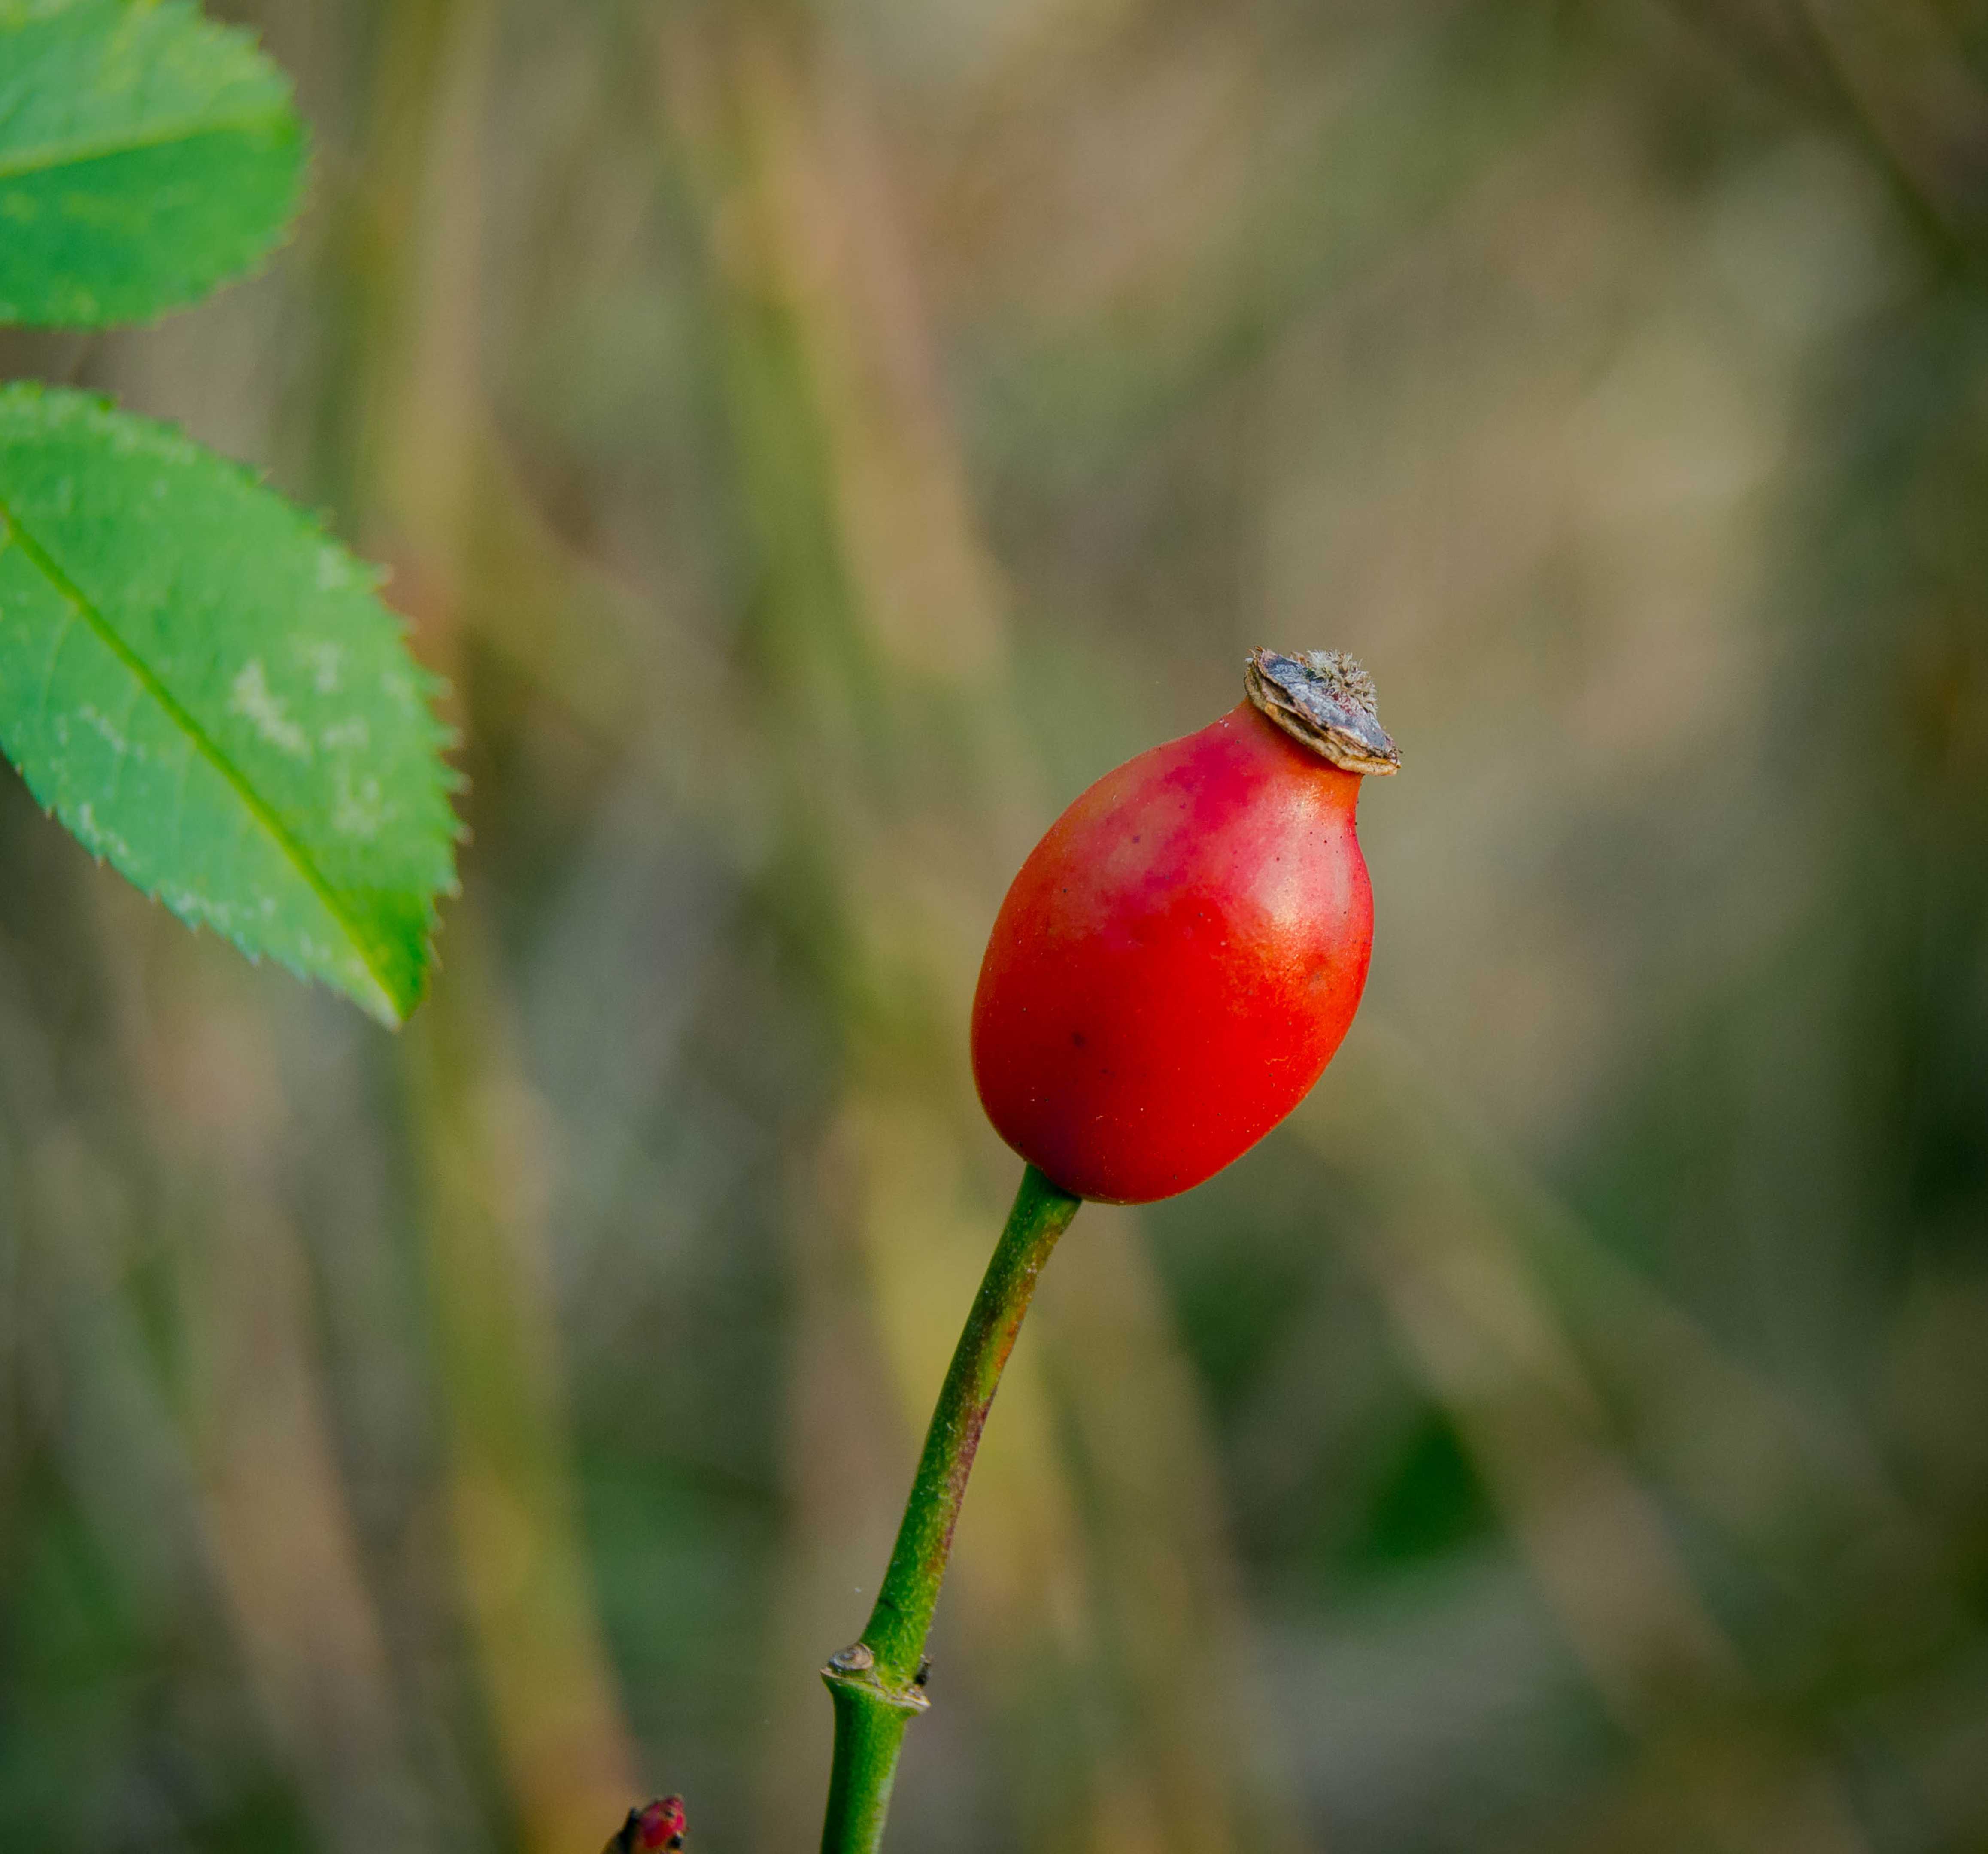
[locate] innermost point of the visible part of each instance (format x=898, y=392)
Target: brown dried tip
x=1326, y=700
x=659, y=1826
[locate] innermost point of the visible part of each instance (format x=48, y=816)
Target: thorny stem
x=877, y=1683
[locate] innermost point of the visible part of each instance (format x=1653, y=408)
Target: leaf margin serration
x=398, y=985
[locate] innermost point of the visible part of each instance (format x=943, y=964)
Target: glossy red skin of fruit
x=1176, y=962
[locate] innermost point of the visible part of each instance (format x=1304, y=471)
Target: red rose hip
x=1179, y=957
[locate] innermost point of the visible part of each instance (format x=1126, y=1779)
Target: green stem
x=876, y=1684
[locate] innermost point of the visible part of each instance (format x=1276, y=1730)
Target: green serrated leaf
x=203, y=686
x=146, y=155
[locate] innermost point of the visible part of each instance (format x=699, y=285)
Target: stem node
x=877, y=1683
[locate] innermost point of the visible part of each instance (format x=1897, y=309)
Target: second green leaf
x=146, y=155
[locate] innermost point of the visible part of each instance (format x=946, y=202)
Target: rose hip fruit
x=1179, y=957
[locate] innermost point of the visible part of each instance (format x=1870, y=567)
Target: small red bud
x=660, y=1825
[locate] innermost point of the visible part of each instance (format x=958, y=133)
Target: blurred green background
x=816, y=441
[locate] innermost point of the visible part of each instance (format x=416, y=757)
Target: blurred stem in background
x=475, y=1128
x=260, y=1436
x=565, y=1750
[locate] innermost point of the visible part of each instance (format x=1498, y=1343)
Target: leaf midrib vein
x=40, y=159
x=252, y=801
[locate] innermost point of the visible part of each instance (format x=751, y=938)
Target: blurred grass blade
x=202, y=685
x=146, y=155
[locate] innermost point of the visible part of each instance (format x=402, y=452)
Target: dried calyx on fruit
x=1325, y=699
x=1179, y=958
